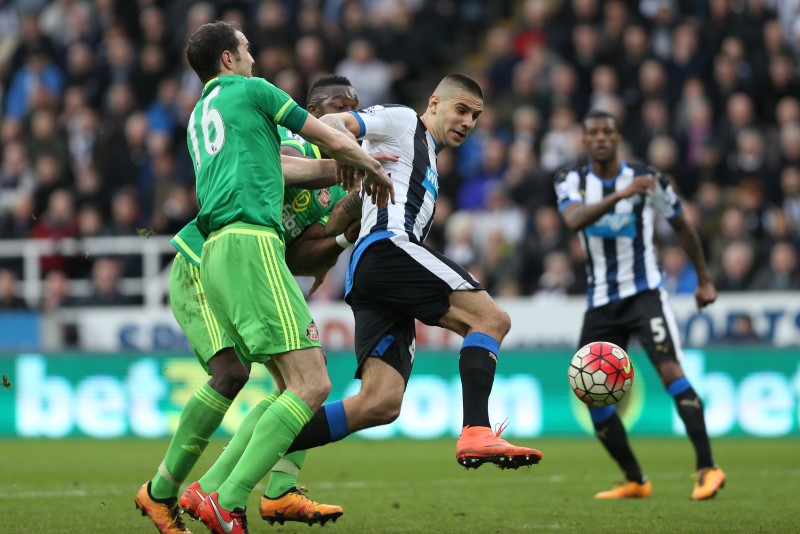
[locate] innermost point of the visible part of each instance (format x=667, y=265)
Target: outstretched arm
x=706, y=293
x=308, y=173
x=342, y=148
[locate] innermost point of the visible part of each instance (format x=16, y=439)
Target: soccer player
x=394, y=278
x=304, y=216
x=613, y=205
x=233, y=141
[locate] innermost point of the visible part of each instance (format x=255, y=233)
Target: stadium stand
x=96, y=95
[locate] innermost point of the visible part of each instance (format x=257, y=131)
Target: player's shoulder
x=389, y=109
x=562, y=175
x=259, y=86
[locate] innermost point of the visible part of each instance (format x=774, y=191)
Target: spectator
x=9, y=291
x=790, y=193
x=55, y=295
x=19, y=222
x=370, y=74
x=106, y=276
x=58, y=222
x=680, y=277
x=737, y=266
x=741, y=332
x=782, y=273
x=37, y=84
x=558, y=278
x=16, y=176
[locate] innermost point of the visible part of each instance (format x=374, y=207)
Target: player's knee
x=318, y=390
x=503, y=322
x=497, y=324
x=382, y=409
x=669, y=371
x=230, y=381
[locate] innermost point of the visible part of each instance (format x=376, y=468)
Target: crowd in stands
x=96, y=95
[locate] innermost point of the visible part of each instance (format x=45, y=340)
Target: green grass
x=82, y=486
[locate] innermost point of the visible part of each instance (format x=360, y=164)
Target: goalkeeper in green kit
x=250, y=292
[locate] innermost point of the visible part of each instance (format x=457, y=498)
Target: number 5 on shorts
x=658, y=329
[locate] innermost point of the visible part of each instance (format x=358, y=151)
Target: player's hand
x=379, y=187
x=349, y=177
x=385, y=157
x=705, y=294
x=641, y=185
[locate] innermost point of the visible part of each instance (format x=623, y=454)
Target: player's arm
x=314, y=183
x=344, y=149
x=344, y=212
x=313, y=254
x=578, y=215
x=706, y=293
x=308, y=173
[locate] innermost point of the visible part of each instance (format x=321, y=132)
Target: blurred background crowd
x=96, y=96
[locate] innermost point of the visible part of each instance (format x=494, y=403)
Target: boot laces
x=500, y=427
x=175, y=516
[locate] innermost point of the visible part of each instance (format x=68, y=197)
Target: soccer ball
x=600, y=373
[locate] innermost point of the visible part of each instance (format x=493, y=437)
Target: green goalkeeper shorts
x=254, y=296
x=194, y=316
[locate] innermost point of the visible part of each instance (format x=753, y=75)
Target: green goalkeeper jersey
x=235, y=147
x=302, y=207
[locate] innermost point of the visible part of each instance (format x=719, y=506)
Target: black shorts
x=396, y=281
x=646, y=315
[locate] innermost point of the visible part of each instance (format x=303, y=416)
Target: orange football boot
x=627, y=490
x=709, y=481
x=480, y=444
x=295, y=506
x=165, y=515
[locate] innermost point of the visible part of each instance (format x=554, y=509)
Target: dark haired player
x=613, y=205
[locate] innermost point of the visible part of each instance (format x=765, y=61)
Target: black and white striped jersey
x=398, y=130
x=621, y=257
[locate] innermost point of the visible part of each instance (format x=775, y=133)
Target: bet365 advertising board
x=747, y=391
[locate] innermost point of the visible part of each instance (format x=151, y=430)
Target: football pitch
x=87, y=486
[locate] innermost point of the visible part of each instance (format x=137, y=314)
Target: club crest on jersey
x=312, y=332
x=324, y=197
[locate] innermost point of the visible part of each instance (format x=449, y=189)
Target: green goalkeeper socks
x=200, y=417
x=283, y=476
x=218, y=472
x=271, y=437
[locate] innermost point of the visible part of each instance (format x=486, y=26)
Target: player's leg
x=258, y=301
x=307, y=385
x=283, y=500
x=607, y=323
x=473, y=314
x=440, y=292
x=204, y=411
x=384, y=349
x=658, y=334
